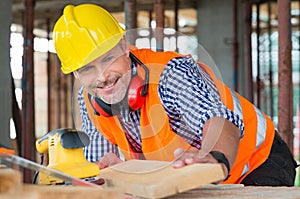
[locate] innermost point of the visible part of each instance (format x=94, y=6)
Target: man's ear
x=125, y=46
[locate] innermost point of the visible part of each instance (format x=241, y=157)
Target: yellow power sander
x=65, y=152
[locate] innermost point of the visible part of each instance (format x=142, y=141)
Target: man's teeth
x=108, y=86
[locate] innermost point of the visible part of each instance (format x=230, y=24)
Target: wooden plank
x=235, y=191
x=73, y=192
x=11, y=186
x=29, y=191
x=10, y=180
x=158, y=179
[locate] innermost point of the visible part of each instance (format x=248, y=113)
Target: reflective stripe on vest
x=261, y=126
x=237, y=105
x=256, y=143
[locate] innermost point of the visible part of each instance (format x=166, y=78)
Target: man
x=165, y=106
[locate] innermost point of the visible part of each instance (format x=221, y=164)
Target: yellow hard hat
x=83, y=33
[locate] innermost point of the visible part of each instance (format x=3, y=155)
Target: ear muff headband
x=146, y=79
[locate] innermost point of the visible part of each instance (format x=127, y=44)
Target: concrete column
x=5, y=74
x=215, y=32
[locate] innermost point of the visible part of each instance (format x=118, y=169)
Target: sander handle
x=42, y=144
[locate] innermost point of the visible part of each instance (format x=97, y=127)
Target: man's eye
x=108, y=59
x=85, y=69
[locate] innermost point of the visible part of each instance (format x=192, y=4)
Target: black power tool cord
x=37, y=172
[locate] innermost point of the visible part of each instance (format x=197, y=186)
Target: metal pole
x=130, y=14
x=285, y=92
x=28, y=89
x=247, y=39
x=258, y=53
x=150, y=27
x=17, y=118
x=270, y=61
x=59, y=99
x=159, y=16
x=176, y=7
x=235, y=45
x=49, y=107
x=131, y=19
x=285, y=86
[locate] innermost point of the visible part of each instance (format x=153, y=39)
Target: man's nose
x=101, y=73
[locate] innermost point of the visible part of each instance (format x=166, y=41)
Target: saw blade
x=9, y=158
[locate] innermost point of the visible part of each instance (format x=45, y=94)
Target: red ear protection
x=99, y=109
x=136, y=93
x=135, y=97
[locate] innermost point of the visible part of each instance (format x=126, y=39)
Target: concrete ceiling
x=48, y=11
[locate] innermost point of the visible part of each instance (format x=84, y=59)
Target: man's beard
x=121, y=83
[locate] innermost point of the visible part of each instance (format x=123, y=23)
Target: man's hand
x=193, y=156
x=220, y=135
x=107, y=160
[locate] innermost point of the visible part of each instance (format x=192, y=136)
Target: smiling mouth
x=108, y=84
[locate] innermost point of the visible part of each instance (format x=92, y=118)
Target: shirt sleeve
x=189, y=95
x=99, y=145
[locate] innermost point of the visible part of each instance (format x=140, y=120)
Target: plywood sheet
x=158, y=179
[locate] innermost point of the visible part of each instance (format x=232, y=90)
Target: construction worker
x=164, y=105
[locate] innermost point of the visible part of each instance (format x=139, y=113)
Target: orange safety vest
x=6, y=150
x=158, y=139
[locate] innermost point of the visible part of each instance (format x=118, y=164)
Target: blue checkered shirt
x=189, y=97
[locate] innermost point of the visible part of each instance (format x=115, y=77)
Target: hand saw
x=9, y=158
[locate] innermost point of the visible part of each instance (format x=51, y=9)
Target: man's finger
x=178, y=152
x=178, y=164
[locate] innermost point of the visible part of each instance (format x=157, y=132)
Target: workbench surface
x=208, y=191
x=12, y=187
x=240, y=192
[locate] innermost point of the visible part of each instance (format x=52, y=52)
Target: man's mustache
x=109, y=81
